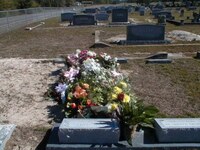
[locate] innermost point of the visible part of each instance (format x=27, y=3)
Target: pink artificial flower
x=70, y=75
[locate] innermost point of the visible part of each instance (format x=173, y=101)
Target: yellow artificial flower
x=126, y=98
x=117, y=90
x=114, y=106
x=113, y=96
x=123, y=84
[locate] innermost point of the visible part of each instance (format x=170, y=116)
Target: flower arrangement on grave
x=92, y=86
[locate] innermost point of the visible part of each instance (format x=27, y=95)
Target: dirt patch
x=183, y=35
x=22, y=102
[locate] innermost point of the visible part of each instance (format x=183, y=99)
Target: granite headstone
x=90, y=10
x=84, y=20
x=102, y=16
x=68, y=16
x=145, y=32
x=120, y=15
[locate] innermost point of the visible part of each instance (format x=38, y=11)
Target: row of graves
x=136, y=33
x=164, y=14
x=92, y=16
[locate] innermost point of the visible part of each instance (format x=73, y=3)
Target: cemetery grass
x=173, y=88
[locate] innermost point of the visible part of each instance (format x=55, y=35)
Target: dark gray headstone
x=102, y=16
x=68, y=16
x=120, y=15
x=142, y=10
x=90, y=10
x=5, y=133
x=84, y=20
x=178, y=130
x=89, y=131
x=198, y=55
x=145, y=32
x=168, y=14
x=155, y=11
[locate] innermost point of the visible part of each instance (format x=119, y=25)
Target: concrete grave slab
x=53, y=143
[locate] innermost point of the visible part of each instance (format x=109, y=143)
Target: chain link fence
x=13, y=19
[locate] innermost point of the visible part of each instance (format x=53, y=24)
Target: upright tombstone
x=90, y=11
x=68, y=16
x=182, y=13
x=145, y=32
x=120, y=15
x=102, y=16
x=168, y=14
x=142, y=10
x=154, y=11
x=84, y=20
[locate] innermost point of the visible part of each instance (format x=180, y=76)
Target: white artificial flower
x=107, y=57
x=63, y=98
x=78, y=51
x=90, y=53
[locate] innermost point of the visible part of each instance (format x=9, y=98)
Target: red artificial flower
x=73, y=105
x=120, y=96
x=80, y=107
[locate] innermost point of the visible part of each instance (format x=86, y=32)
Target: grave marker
x=145, y=32
x=120, y=15
x=68, y=16
x=89, y=131
x=178, y=130
x=102, y=16
x=84, y=20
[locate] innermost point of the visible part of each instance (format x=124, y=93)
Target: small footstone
x=158, y=61
x=89, y=131
x=178, y=130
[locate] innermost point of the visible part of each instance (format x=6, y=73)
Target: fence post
x=7, y=21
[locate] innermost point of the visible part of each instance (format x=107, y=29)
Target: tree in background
x=7, y=4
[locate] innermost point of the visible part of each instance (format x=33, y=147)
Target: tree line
x=21, y=4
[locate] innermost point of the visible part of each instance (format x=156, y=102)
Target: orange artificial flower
x=80, y=92
x=86, y=86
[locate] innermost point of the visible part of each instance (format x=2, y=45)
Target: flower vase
x=126, y=132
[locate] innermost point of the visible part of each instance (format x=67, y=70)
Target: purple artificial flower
x=61, y=88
